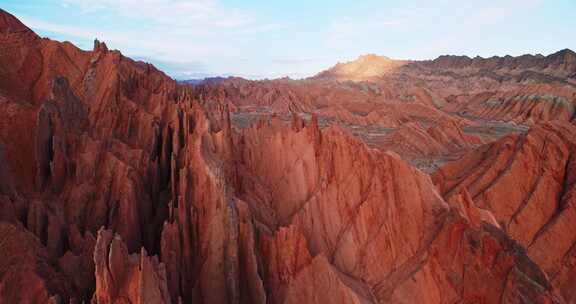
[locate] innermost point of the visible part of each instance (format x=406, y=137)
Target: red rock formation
x=366, y=67
x=125, y=278
x=443, y=138
x=527, y=104
x=472, y=265
x=92, y=157
x=188, y=208
x=26, y=273
x=351, y=219
x=527, y=182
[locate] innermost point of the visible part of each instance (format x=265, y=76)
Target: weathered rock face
x=442, y=138
x=120, y=185
x=375, y=230
x=26, y=273
x=523, y=105
x=528, y=184
x=84, y=144
x=125, y=278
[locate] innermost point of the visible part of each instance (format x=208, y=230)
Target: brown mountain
x=553, y=67
x=121, y=185
x=366, y=67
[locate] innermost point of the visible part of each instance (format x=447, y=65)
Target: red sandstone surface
x=377, y=181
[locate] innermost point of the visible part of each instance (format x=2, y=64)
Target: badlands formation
x=377, y=181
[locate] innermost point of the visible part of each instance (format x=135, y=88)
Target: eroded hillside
x=445, y=181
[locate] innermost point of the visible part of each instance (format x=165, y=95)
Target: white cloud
x=292, y=61
x=164, y=31
x=56, y=28
x=166, y=50
x=177, y=34
x=177, y=31
x=343, y=32
x=174, y=13
x=154, y=41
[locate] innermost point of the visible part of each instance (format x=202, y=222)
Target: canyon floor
x=450, y=180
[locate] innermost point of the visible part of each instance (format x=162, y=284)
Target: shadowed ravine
x=377, y=181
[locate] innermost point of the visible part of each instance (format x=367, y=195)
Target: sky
x=298, y=38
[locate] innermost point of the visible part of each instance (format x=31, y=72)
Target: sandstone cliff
x=121, y=185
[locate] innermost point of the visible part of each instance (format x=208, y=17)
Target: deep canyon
x=450, y=180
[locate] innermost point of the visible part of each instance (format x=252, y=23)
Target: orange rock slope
x=120, y=185
x=527, y=182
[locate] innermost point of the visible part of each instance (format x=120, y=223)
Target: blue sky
x=297, y=38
